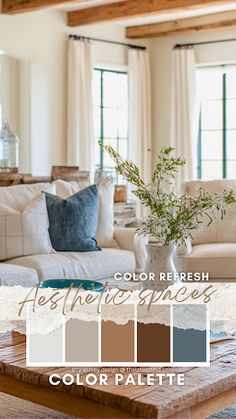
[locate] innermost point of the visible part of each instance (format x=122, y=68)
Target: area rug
x=12, y=407
x=226, y=414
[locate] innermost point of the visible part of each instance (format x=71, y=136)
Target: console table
x=58, y=172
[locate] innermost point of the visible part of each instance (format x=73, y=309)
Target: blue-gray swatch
x=190, y=342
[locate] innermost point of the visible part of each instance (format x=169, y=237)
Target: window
x=110, y=101
x=217, y=127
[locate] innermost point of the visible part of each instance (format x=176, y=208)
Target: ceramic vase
x=160, y=260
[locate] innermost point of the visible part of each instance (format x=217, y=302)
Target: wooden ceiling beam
x=135, y=8
x=21, y=6
x=183, y=26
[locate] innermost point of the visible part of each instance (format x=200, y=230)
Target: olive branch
x=173, y=216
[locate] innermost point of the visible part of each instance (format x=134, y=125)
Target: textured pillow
x=73, y=221
x=105, y=228
x=26, y=233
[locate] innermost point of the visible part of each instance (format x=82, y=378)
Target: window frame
x=106, y=69
x=224, y=130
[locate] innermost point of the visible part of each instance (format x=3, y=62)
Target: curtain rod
x=76, y=37
x=177, y=46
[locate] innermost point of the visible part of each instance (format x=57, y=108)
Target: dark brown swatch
x=153, y=342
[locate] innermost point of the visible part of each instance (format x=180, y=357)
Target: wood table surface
x=206, y=390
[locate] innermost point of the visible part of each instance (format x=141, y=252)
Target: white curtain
x=80, y=140
x=184, y=112
x=140, y=113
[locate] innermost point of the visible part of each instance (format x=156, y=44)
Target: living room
x=91, y=90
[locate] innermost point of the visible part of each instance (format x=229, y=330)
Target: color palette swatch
x=164, y=335
x=153, y=331
x=113, y=333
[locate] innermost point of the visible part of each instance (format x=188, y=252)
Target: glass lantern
x=9, y=149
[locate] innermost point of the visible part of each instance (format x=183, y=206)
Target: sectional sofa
x=127, y=253
x=213, y=249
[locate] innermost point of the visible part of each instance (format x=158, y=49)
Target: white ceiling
x=150, y=18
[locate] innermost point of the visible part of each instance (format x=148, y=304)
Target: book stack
x=124, y=214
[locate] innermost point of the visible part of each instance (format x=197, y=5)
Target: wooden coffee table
x=206, y=390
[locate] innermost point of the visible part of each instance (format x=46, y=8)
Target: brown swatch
x=117, y=341
x=153, y=342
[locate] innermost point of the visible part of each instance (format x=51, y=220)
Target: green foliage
x=173, y=217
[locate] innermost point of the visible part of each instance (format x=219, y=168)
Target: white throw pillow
x=16, y=197
x=64, y=189
x=105, y=229
x=24, y=233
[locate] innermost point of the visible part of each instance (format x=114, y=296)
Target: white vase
x=160, y=260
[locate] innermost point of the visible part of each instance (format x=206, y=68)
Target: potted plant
x=173, y=217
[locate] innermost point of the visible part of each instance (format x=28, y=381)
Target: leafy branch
x=173, y=217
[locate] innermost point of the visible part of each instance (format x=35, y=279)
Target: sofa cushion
x=219, y=259
x=64, y=188
x=16, y=197
x=24, y=233
x=85, y=265
x=220, y=231
x=73, y=221
x=11, y=275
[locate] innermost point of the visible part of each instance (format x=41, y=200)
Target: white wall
x=40, y=38
x=10, y=90
x=161, y=67
x=15, y=95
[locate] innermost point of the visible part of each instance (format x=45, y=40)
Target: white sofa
x=128, y=256
x=213, y=249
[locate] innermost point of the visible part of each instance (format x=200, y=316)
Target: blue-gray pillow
x=73, y=221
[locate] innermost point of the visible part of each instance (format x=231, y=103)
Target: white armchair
x=213, y=248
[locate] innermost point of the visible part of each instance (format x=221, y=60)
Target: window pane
x=107, y=160
x=231, y=145
x=212, y=116
x=123, y=91
x=123, y=123
x=111, y=89
x=210, y=84
x=123, y=148
x=231, y=113
x=111, y=123
x=110, y=100
x=212, y=148
x=231, y=169
x=212, y=169
x=231, y=83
